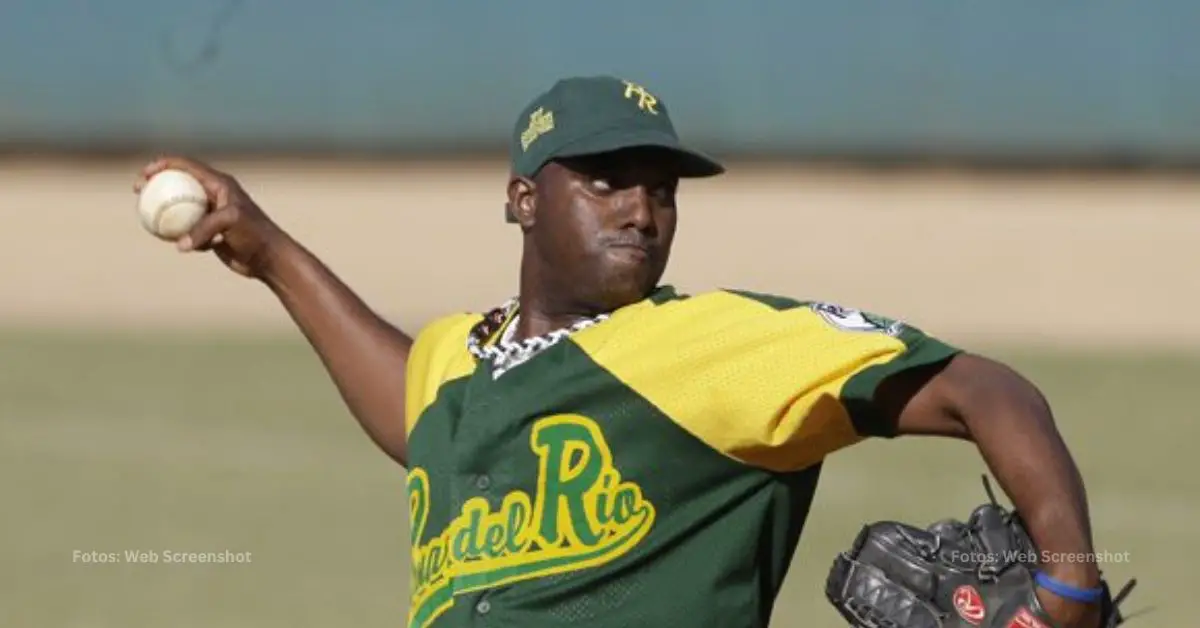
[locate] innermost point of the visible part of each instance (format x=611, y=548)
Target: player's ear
x=521, y=207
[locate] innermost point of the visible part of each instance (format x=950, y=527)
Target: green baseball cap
x=588, y=115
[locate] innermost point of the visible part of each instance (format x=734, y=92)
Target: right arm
x=365, y=356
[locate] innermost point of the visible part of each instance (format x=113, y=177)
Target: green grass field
x=109, y=444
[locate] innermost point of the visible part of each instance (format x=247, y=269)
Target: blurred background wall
x=1101, y=81
x=401, y=112
x=1016, y=177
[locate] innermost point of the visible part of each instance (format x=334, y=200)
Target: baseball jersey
x=652, y=469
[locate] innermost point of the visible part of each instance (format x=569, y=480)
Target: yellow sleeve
x=772, y=382
x=438, y=355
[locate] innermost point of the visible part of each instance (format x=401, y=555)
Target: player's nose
x=635, y=207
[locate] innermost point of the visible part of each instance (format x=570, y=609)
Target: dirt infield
x=1062, y=259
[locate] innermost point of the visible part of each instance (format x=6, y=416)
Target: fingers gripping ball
x=171, y=203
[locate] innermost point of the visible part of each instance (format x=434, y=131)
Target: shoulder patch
x=850, y=319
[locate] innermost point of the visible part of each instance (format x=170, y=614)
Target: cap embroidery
x=645, y=100
x=540, y=123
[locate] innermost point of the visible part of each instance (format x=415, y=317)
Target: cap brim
x=689, y=164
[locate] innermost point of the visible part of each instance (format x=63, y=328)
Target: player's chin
x=629, y=284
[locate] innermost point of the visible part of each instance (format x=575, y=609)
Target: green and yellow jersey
x=653, y=469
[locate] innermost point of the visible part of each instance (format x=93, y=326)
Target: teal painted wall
x=1015, y=79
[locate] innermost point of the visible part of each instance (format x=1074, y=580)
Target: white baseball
x=171, y=203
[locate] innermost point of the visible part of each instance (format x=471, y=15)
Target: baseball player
x=606, y=450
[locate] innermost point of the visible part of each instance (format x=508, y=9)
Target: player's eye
x=601, y=184
x=664, y=194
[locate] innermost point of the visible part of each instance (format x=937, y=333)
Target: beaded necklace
x=507, y=353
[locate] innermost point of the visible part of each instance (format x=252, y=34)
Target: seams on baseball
x=171, y=203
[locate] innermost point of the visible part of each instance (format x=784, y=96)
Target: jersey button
x=483, y=482
x=483, y=607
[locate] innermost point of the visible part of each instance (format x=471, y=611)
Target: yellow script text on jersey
x=582, y=514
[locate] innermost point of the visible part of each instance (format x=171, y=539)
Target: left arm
x=980, y=400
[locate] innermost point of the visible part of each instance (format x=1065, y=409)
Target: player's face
x=605, y=224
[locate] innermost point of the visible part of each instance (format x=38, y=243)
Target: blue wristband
x=1064, y=590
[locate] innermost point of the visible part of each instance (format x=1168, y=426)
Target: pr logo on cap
x=645, y=100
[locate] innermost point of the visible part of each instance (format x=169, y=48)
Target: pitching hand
x=235, y=229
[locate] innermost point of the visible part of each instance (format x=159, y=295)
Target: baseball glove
x=953, y=574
